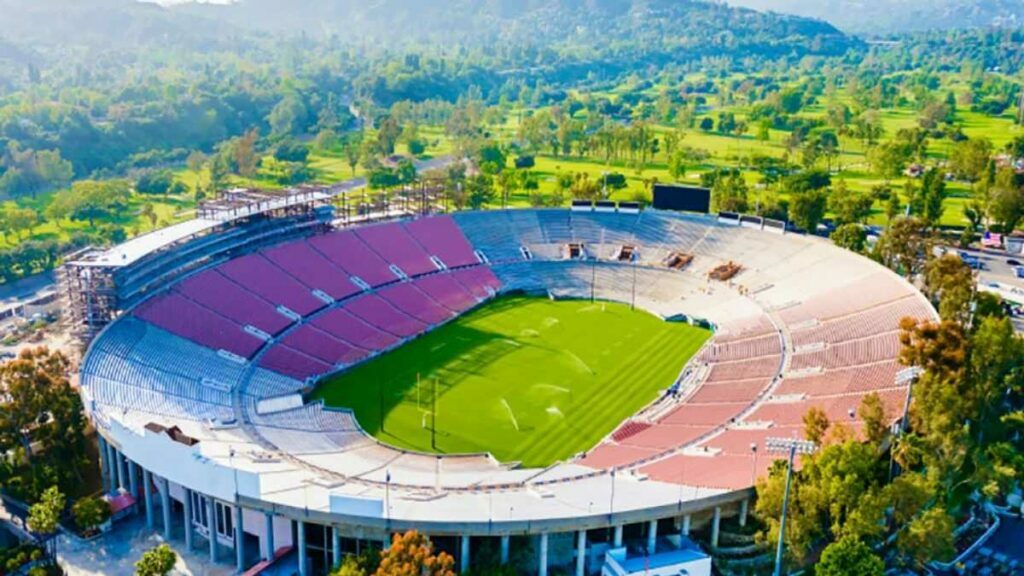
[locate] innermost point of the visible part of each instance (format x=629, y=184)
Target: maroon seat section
x=441, y=237
x=179, y=315
x=231, y=300
x=350, y=254
x=313, y=269
x=395, y=245
x=259, y=275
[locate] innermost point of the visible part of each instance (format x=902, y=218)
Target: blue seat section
x=136, y=365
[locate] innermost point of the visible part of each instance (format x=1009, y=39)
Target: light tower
x=793, y=446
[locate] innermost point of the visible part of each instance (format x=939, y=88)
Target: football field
x=530, y=380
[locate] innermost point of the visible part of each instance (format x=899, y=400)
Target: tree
x=291, y=151
x=41, y=425
x=244, y=151
x=349, y=567
x=872, y=413
x=849, y=556
x=807, y=209
x=969, y=158
x=892, y=207
x=288, y=117
x=480, y=191
x=928, y=537
x=90, y=199
x=412, y=554
x=155, y=182
x=353, y=153
x=889, y=159
x=677, y=165
x=816, y=424
x=90, y=512
x=157, y=561
x=949, y=283
x=729, y=193
x=1006, y=201
x=18, y=220
x=849, y=206
x=44, y=515
x=933, y=197
x=707, y=124
x=388, y=133
x=405, y=171
x=853, y=237
x=904, y=245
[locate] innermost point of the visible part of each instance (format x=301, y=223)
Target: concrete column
x=104, y=459
x=122, y=471
x=336, y=546
x=542, y=556
x=268, y=535
x=686, y=525
x=386, y=542
x=617, y=537
x=744, y=509
x=118, y=469
x=188, y=520
x=581, y=553
x=464, y=554
x=715, y=523
x=133, y=479
x=239, y=540
x=147, y=496
x=111, y=467
x=505, y=542
x=165, y=504
x=303, y=556
x=211, y=528
x=652, y=537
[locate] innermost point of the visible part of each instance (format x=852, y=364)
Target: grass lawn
x=528, y=379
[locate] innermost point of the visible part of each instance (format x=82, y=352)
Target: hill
x=658, y=22
x=884, y=17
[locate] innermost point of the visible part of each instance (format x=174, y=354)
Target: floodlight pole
x=793, y=446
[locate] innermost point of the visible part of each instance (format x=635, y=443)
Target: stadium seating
x=350, y=254
x=259, y=275
x=175, y=313
x=316, y=272
x=441, y=237
x=215, y=292
x=801, y=325
x=396, y=246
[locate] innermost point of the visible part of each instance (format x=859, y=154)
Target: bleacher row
x=839, y=330
x=309, y=307
x=788, y=336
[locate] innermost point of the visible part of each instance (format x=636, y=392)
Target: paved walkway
x=115, y=553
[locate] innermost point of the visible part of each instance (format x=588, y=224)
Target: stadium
x=285, y=386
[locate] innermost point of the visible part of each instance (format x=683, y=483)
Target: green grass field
x=527, y=379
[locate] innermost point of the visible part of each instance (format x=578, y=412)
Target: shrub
x=90, y=512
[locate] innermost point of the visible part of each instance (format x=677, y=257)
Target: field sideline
x=528, y=379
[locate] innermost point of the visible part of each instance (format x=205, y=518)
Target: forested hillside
x=883, y=17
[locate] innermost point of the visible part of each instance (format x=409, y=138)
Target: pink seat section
x=350, y=254
x=378, y=313
x=232, y=301
x=411, y=300
x=313, y=269
x=259, y=275
x=179, y=315
x=441, y=237
x=395, y=245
